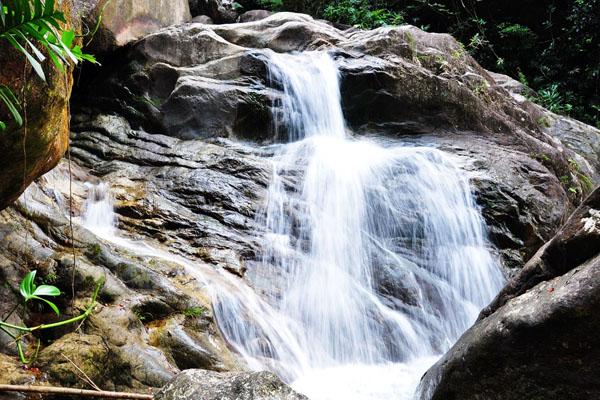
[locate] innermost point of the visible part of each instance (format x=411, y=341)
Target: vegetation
x=361, y=13
x=35, y=28
x=192, y=312
x=553, y=46
x=29, y=291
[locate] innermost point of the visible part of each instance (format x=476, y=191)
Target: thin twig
x=74, y=392
x=87, y=378
x=71, y=202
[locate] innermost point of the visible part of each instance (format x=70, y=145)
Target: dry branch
x=74, y=392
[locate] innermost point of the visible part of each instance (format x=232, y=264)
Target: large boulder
x=32, y=150
x=37, y=147
x=583, y=139
x=539, y=338
x=120, y=22
x=207, y=385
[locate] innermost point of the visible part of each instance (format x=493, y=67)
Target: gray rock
x=202, y=81
x=254, y=15
x=203, y=19
x=207, y=385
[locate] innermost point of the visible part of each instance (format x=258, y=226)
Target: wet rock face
x=153, y=318
x=206, y=385
x=539, y=338
x=195, y=196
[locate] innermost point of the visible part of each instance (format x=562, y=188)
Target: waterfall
x=375, y=252
x=374, y=258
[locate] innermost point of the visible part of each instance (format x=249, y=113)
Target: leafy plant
x=361, y=14
x=34, y=27
x=193, y=312
x=11, y=102
x=551, y=98
x=29, y=291
x=273, y=5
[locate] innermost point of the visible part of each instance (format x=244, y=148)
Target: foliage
x=274, y=5
x=34, y=28
x=193, y=312
x=361, y=14
x=551, y=98
x=552, y=45
x=29, y=291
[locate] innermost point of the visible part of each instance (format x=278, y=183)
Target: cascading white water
x=375, y=258
x=375, y=253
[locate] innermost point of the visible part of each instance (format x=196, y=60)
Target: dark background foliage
x=553, y=46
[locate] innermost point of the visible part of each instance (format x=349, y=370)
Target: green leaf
x=67, y=38
x=51, y=304
x=2, y=126
x=11, y=102
x=35, y=50
x=37, y=67
x=27, y=286
x=46, y=290
x=2, y=18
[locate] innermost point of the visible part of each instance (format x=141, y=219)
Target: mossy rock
x=90, y=353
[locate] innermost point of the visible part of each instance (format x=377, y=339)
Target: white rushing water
x=374, y=260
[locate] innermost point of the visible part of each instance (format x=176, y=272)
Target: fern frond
x=37, y=19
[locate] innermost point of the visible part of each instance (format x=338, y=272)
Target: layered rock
x=539, y=338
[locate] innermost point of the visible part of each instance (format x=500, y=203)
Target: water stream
x=374, y=259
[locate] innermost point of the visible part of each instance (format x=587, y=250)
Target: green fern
x=32, y=25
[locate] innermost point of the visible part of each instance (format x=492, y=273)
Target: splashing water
x=375, y=258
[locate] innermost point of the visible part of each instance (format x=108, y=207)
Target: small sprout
x=30, y=291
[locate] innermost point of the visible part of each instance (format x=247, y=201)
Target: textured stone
x=207, y=385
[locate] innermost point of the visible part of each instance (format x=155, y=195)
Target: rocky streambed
x=180, y=127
